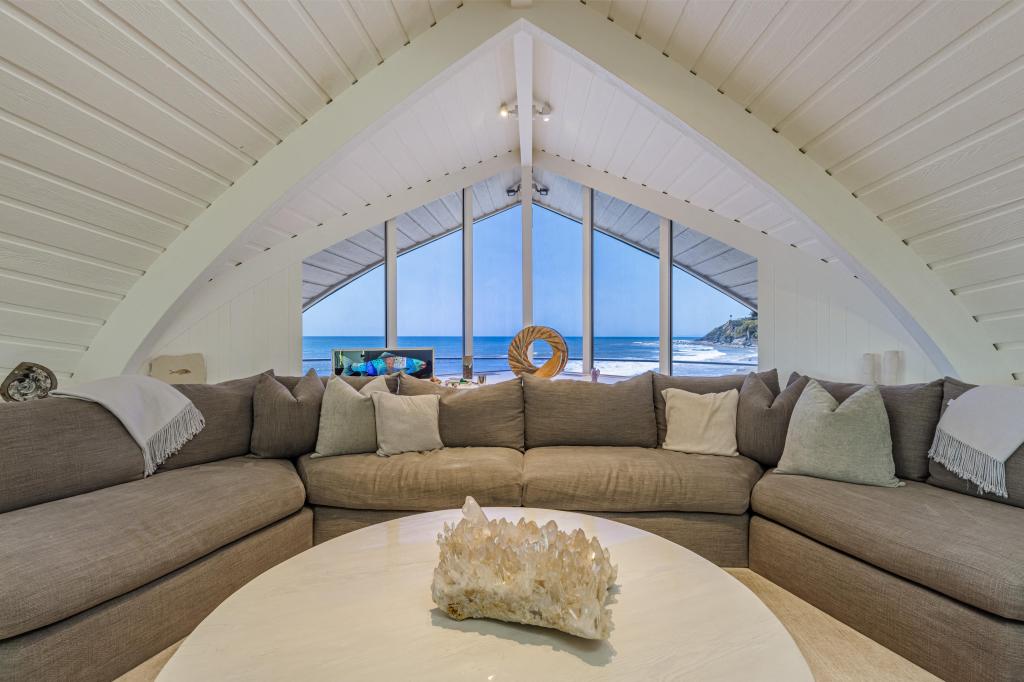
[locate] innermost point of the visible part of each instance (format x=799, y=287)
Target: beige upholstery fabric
x=227, y=409
x=843, y=442
x=347, y=422
x=913, y=411
x=50, y=449
x=718, y=384
x=356, y=382
x=966, y=548
x=951, y=639
x=406, y=423
x=762, y=418
x=720, y=538
x=416, y=481
x=488, y=416
x=60, y=558
x=583, y=413
x=701, y=424
x=286, y=421
x=944, y=478
x=607, y=479
x=115, y=636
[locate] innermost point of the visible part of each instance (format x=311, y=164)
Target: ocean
x=613, y=355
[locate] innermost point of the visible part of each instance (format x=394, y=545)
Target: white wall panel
x=258, y=330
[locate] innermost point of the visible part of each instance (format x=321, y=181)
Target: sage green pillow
x=848, y=442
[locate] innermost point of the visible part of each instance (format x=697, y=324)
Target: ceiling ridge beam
x=523, y=51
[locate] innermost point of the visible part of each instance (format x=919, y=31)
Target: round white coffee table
x=358, y=607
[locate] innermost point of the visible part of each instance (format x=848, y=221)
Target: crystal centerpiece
x=523, y=573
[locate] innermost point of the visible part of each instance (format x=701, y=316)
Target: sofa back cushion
x=913, y=411
x=488, y=416
x=52, y=449
x=762, y=418
x=356, y=382
x=585, y=413
x=942, y=477
x=719, y=384
x=227, y=409
x=286, y=422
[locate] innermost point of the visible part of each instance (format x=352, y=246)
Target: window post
x=390, y=284
x=467, y=280
x=665, y=296
x=526, y=199
x=588, y=280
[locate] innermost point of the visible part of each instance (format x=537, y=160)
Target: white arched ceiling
x=110, y=153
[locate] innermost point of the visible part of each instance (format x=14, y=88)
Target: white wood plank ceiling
x=916, y=107
x=122, y=120
x=719, y=265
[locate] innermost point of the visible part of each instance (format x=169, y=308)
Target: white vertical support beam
x=467, y=272
x=523, y=47
x=390, y=284
x=665, y=296
x=526, y=200
x=588, y=280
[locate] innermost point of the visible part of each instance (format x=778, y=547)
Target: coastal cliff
x=740, y=332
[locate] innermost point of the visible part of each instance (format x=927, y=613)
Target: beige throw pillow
x=700, y=424
x=406, y=423
x=347, y=422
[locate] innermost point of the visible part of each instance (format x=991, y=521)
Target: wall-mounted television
x=371, y=362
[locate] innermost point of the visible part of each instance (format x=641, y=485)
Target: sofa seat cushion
x=415, y=481
x=60, y=558
x=628, y=479
x=966, y=548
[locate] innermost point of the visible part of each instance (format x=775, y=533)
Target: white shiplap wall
x=257, y=330
x=819, y=320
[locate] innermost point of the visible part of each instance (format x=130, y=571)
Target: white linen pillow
x=406, y=423
x=701, y=424
x=347, y=423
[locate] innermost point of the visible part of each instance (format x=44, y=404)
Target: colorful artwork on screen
x=372, y=362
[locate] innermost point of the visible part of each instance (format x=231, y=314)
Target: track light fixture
x=542, y=111
x=514, y=189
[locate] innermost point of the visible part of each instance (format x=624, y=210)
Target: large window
x=497, y=288
x=626, y=291
x=430, y=301
x=352, y=317
x=558, y=282
x=711, y=332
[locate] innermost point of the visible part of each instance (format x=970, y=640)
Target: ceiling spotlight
x=503, y=110
x=544, y=111
x=540, y=189
x=513, y=190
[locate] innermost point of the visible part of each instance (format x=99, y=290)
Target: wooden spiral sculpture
x=519, y=355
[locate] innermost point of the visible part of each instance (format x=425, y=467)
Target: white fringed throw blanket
x=157, y=415
x=977, y=434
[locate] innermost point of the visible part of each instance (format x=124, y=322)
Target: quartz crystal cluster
x=523, y=573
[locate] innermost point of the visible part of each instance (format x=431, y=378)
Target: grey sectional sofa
x=100, y=569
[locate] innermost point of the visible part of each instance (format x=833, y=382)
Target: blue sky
x=430, y=287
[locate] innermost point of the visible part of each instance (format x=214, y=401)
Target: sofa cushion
x=585, y=413
x=355, y=381
x=286, y=421
x=944, y=478
x=60, y=558
x=227, y=409
x=348, y=423
x=719, y=384
x=966, y=548
x=488, y=416
x=53, y=449
x=762, y=418
x=913, y=415
x=629, y=479
x=406, y=423
x=415, y=481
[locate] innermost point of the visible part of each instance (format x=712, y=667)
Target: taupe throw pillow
x=843, y=442
x=285, y=423
x=347, y=422
x=762, y=418
x=719, y=384
x=488, y=416
x=406, y=423
x=585, y=413
x=913, y=411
